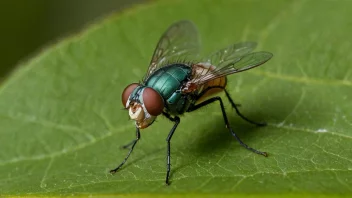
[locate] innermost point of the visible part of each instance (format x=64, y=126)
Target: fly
x=173, y=86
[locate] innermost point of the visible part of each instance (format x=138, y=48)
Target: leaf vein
x=305, y=80
x=64, y=151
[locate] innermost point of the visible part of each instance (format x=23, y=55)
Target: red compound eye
x=153, y=102
x=127, y=92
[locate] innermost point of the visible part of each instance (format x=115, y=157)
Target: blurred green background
x=27, y=26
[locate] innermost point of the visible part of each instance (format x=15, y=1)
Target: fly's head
x=144, y=104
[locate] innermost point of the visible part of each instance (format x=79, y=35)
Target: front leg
x=126, y=146
x=176, y=120
x=133, y=143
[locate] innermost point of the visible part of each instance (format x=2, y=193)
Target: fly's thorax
x=144, y=104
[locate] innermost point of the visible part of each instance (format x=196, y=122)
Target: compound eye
x=127, y=92
x=153, y=101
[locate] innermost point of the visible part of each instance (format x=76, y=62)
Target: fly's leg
x=128, y=145
x=239, y=113
x=176, y=120
x=133, y=143
x=211, y=100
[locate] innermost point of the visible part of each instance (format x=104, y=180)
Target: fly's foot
x=265, y=154
x=261, y=124
x=113, y=171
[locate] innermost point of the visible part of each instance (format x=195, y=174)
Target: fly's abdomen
x=212, y=87
x=167, y=80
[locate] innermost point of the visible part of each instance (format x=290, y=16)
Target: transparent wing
x=180, y=40
x=232, y=65
x=229, y=54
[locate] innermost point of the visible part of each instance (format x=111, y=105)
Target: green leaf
x=62, y=123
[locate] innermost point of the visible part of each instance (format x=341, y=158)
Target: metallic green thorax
x=168, y=81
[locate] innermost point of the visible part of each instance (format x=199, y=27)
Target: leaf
x=62, y=123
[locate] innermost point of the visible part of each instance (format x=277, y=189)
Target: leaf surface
x=62, y=124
